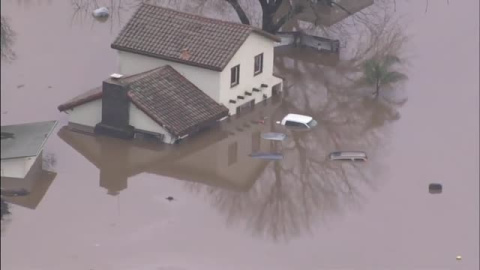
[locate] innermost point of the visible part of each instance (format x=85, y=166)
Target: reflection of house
x=232, y=63
x=218, y=157
x=27, y=192
x=158, y=103
x=22, y=147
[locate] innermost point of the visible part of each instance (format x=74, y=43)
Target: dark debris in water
x=435, y=188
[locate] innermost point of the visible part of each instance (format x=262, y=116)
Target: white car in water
x=298, y=121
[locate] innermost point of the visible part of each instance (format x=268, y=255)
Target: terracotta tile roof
x=182, y=37
x=88, y=96
x=167, y=97
x=173, y=101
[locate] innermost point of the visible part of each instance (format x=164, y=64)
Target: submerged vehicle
x=348, y=155
x=298, y=121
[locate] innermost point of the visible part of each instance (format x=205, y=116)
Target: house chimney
x=115, y=110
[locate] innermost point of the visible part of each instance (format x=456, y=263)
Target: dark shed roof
x=182, y=37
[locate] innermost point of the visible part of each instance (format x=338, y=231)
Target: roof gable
x=173, y=101
x=182, y=37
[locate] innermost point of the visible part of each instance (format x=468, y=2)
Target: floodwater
x=106, y=207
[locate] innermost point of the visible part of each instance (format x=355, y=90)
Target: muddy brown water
x=107, y=209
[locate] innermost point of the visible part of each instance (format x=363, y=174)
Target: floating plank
x=268, y=156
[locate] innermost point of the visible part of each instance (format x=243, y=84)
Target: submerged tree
x=277, y=13
x=378, y=72
x=6, y=40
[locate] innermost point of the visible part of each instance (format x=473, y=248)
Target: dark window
x=148, y=137
x=232, y=153
x=294, y=124
x=258, y=66
x=235, y=75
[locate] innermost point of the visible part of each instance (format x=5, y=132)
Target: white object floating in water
x=274, y=136
x=101, y=12
x=459, y=258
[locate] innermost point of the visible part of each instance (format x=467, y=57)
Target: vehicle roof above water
x=297, y=118
x=348, y=154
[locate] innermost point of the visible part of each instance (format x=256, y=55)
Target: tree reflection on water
x=293, y=195
x=7, y=39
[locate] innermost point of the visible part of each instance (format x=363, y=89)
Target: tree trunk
x=377, y=90
x=268, y=12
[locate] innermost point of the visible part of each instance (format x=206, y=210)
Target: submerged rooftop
x=25, y=140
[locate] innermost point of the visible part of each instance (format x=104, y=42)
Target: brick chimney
x=115, y=111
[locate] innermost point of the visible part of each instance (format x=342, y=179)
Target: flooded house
x=159, y=104
x=231, y=62
x=22, y=148
x=179, y=73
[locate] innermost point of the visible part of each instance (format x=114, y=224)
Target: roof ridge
x=251, y=27
x=213, y=42
x=199, y=16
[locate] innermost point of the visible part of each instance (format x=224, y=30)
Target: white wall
x=88, y=114
x=316, y=43
x=207, y=80
x=141, y=121
x=17, y=167
x=217, y=84
x=286, y=39
x=254, y=45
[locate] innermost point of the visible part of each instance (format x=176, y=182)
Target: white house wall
x=245, y=57
x=88, y=114
x=17, y=167
x=207, y=80
x=143, y=122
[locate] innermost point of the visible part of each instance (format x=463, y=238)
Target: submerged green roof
x=25, y=140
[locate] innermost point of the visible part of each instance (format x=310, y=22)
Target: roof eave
x=266, y=34
x=206, y=122
x=70, y=105
x=125, y=49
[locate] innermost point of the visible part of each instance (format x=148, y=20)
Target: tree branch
x=292, y=12
x=240, y=12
